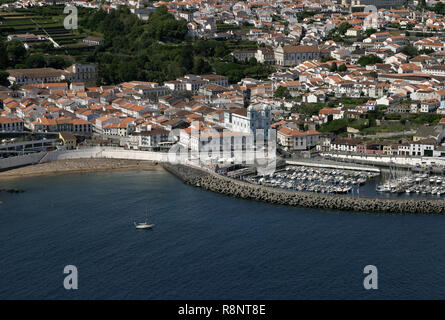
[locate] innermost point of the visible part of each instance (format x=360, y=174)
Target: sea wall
x=86, y=153
x=216, y=183
x=22, y=160
x=106, y=152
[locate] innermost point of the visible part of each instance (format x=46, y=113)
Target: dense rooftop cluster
x=341, y=80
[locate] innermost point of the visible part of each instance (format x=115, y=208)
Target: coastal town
x=222, y=150
x=332, y=80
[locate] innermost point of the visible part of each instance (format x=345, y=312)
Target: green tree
x=221, y=50
x=369, y=59
x=439, y=8
x=4, y=78
x=35, y=61
x=343, y=27
x=45, y=47
x=253, y=61
x=185, y=59
x=370, y=31
x=57, y=62
x=200, y=66
x=15, y=86
x=161, y=49
x=326, y=59
x=409, y=51
x=3, y=56
x=342, y=68
x=282, y=92
x=16, y=51
x=335, y=126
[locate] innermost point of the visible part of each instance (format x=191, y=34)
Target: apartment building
x=294, y=55
x=10, y=124
x=295, y=140
x=75, y=73
x=151, y=139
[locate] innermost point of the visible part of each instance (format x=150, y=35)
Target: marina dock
x=331, y=165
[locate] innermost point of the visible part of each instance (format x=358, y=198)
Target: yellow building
x=387, y=149
x=68, y=139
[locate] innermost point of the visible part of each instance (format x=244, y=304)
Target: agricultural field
x=40, y=21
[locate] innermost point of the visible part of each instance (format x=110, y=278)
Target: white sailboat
x=144, y=225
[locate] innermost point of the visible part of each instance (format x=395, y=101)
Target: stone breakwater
x=216, y=183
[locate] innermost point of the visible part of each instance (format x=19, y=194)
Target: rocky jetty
x=12, y=190
x=216, y=183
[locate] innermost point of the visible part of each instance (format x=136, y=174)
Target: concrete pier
x=326, y=164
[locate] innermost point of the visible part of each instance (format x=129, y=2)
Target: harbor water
x=204, y=245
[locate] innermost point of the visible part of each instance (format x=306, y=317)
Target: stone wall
x=86, y=153
x=22, y=160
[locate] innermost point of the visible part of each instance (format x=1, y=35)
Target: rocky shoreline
x=216, y=183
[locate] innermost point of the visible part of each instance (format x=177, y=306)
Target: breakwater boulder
x=216, y=183
x=12, y=190
x=187, y=174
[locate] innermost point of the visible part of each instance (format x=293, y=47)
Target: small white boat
x=143, y=225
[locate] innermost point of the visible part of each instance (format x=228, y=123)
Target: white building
x=10, y=124
x=294, y=55
x=423, y=147
x=152, y=139
x=81, y=72
x=292, y=139
x=220, y=142
x=75, y=73
x=344, y=145
x=248, y=120
x=428, y=106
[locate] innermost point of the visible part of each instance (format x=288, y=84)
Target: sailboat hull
x=148, y=226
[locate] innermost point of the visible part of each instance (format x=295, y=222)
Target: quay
x=331, y=165
x=419, y=164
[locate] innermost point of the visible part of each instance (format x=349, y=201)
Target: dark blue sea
x=204, y=245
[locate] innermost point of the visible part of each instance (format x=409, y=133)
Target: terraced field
x=19, y=22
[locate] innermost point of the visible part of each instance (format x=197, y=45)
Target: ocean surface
x=204, y=245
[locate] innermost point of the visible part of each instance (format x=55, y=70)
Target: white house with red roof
x=293, y=139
